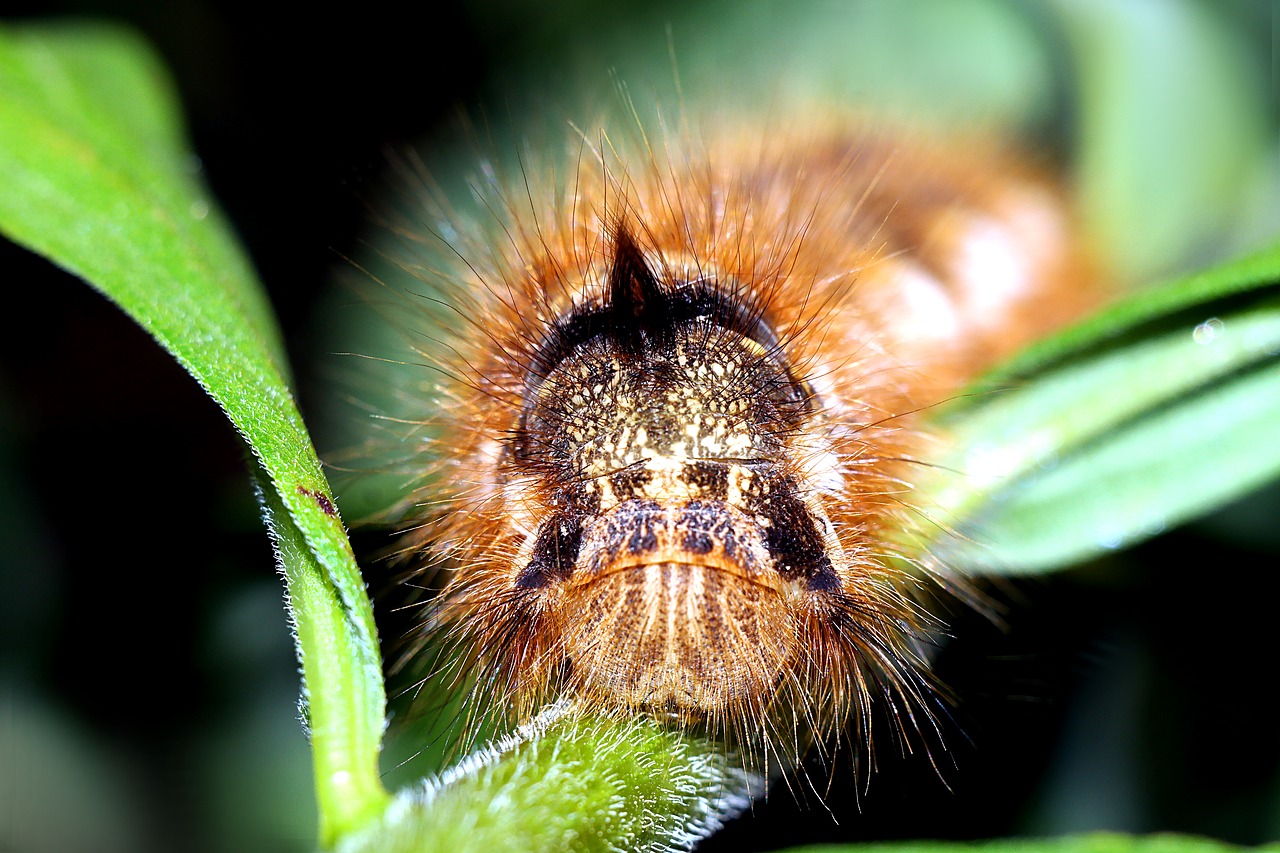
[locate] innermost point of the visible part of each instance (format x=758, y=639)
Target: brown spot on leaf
x=322, y=500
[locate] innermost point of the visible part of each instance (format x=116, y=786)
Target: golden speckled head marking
x=679, y=450
x=661, y=431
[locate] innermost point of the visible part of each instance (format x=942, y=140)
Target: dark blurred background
x=146, y=672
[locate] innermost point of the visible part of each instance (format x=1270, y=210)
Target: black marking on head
x=794, y=541
x=637, y=304
x=632, y=527
x=697, y=542
x=825, y=580
x=703, y=525
x=643, y=538
x=629, y=483
x=710, y=478
x=555, y=552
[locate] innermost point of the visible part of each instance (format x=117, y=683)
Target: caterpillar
x=679, y=411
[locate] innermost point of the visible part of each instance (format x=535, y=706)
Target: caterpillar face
x=679, y=451
x=676, y=525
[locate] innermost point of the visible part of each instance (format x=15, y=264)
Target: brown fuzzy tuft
x=680, y=438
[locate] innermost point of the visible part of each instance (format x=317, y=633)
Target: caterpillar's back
x=675, y=460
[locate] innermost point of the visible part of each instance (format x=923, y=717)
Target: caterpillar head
x=675, y=522
x=677, y=452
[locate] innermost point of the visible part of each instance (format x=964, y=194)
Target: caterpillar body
x=674, y=454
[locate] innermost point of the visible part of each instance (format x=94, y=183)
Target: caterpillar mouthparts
x=677, y=450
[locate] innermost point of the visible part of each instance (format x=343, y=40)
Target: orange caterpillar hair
x=674, y=457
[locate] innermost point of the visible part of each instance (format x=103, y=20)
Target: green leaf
x=98, y=179
x=1102, y=842
x=325, y=638
x=567, y=784
x=1171, y=131
x=1144, y=416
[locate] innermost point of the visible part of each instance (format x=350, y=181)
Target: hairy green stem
x=571, y=783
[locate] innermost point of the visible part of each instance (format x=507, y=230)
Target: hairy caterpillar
x=675, y=445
